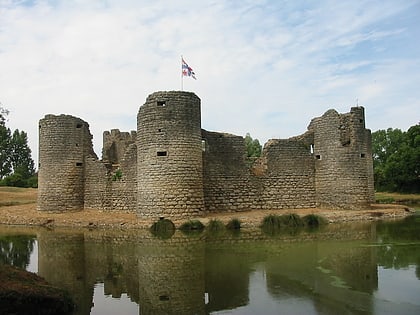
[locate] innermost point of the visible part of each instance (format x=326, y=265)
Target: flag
x=187, y=71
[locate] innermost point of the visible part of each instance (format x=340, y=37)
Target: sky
x=263, y=67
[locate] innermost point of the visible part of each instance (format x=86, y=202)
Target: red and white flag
x=187, y=71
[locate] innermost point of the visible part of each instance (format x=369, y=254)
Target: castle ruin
x=172, y=168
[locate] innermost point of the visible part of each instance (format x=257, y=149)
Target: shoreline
x=27, y=215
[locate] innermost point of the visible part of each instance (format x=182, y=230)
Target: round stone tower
x=343, y=160
x=169, y=156
x=64, y=142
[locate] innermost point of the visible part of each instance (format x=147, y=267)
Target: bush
x=163, y=228
x=234, y=224
x=192, y=225
x=117, y=175
x=32, y=181
x=291, y=223
x=271, y=224
x=292, y=220
x=313, y=220
x=15, y=180
x=215, y=225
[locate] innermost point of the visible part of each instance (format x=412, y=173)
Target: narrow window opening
x=162, y=153
x=79, y=126
x=161, y=103
x=318, y=157
x=203, y=145
x=312, y=149
x=39, y=165
x=362, y=155
x=77, y=144
x=79, y=164
x=360, y=120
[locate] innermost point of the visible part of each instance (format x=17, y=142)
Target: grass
x=215, y=225
x=234, y=224
x=397, y=197
x=412, y=200
x=192, y=226
x=13, y=196
x=313, y=220
x=274, y=224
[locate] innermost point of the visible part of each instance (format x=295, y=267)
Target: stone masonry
x=172, y=168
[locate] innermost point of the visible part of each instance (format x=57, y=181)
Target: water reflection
x=15, y=250
x=171, y=275
x=336, y=270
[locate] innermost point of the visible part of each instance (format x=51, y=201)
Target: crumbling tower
x=169, y=156
x=343, y=160
x=64, y=142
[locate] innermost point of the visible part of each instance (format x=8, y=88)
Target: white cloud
x=263, y=67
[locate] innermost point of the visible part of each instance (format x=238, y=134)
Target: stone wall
x=282, y=178
x=112, y=187
x=115, y=145
x=228, y=183
x=287, y=175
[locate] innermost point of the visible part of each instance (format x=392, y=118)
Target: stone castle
x=172, y=168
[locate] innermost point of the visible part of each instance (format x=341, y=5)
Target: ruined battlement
x=170, y=167
x=115, y=144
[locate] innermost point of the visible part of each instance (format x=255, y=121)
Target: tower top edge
x=171, y=94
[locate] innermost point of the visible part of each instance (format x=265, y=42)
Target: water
x=368, y=268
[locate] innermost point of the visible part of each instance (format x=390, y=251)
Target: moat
x=353, y=268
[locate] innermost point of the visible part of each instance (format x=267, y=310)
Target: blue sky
x=264, y=67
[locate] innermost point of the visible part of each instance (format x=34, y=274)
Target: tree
x=396, y=159
x=16, y=250
x=253, y=146
x=20, y=156
x=16, y=164
x=5, y=165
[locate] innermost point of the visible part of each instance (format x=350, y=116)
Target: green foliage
x=274, y=224
x=191, y=226
x=14, y=180
x=396, y=159
x=394, y=233
x=215, y=225
x=16, y=250
x=253, y=146
x=5, y=138
x=292, y=220
x=313, y=220
x=215, y=228
x=233, y=224
x=32, y=181
x=117, y=175
x=163, y=229
x=20, y=157
x=16, y=164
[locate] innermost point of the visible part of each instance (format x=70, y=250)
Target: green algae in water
x=339, y=283
x=323, y=270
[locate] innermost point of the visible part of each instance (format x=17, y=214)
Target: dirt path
x=18, y=207
x=27, y=215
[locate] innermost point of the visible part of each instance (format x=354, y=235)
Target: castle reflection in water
x=201, y=274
